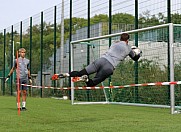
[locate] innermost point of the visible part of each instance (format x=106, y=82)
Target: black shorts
x=22, y=81
x=103, y=69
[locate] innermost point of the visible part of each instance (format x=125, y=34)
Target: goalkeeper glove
x=30, y=80
x=7, y=78
x=136, y=50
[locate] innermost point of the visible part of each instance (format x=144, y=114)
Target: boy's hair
x=124, y=37
x=22, y=49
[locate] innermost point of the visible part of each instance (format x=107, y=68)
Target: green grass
x=51, y=115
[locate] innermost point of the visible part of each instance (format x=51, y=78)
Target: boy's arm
x=10, y=73
x=29, y=77
x=29, y=74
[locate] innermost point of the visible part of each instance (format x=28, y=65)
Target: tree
x=99, y=18
x=123, y=18
x=147, y=19
x=176, y=18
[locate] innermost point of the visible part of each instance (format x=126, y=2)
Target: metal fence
x=46, y=35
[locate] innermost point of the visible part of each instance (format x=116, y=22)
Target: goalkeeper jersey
x=117, y=52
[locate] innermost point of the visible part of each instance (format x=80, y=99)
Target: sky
x=14, y=11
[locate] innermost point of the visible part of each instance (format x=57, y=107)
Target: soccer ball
x=65, y=97
x=136, y=50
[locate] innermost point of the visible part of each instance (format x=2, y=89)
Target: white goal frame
x=171, y=39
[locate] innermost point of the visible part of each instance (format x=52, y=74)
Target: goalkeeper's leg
x=104, y=70
x=78, y=73
x=71, y=74
x=100, y=77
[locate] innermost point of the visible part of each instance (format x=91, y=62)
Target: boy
x=23, y=76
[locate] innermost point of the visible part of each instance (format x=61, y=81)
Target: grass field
x=51, y=115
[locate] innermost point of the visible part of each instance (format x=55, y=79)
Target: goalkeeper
x=104, y=66
x=24, y=76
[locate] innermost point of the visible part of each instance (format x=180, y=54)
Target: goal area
x=151, y=81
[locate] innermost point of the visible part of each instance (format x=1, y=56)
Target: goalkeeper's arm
x=133, y=56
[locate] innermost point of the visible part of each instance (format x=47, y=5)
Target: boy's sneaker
x=23, y=109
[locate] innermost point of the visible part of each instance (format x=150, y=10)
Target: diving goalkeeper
x=104, y=66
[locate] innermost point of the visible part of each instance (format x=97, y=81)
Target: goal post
x=152, y=40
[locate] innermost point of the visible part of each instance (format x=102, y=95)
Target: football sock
x=23, y=104
x=18, y=105
x=67, y=74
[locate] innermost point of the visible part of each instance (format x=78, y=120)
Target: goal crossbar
x=131, y=31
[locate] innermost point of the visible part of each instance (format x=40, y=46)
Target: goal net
x=160, y=62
